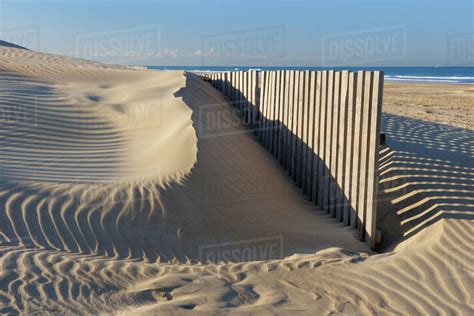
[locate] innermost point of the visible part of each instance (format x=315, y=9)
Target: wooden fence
x=324, y=128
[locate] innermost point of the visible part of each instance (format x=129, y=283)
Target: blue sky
x=279, y=32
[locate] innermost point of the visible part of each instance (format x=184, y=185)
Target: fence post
x=342, y=145
x=253, y=97
x=263, y=101
x=279, y=119
x=308, y=133
x=322, y=140
x=316, y=138
x=373, y=161
x=334, y=141
x=349, y=215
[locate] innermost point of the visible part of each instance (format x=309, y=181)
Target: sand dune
x=112, y=179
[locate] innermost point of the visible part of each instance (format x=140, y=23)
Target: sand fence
x=324, y=129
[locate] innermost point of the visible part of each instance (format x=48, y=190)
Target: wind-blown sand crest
x=112, y=178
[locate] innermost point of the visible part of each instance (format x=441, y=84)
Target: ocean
x=450, y=75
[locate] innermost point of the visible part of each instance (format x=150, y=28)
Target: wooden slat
x=236, y=89
x=250, y=100
x=222, y=82
x=253, y=97
x=226, y=84
x=245, y=104
x=236, y=92
x=249, y=103
x=278, y=94
x=316, y=138
x=282, y=108
x=362, y=205
x=239, y=90
x=351, y=102
x=266, y=128
x=304, y=135
x=300, y=120
x=256, y=94
x=373, y=160
x=274, y=115
x=341, y=146
x=297, y=127
x=271, y=112
x=289, y=146
x=311, y=87
x=355, y=195
x=278, y=118
x=268, y=108
x=294, y=129
x=333, y=185
x=243, y=109
x=322, y=141
x=242, y=93
x=328, y=141
x=264, y=96
x=291, y=122
x=231, y=86
x=221, y=88
x=282, y=113
x=266, y=88
x=286, y=123
x=262, y=107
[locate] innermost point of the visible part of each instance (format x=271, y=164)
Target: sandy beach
x=110, y=187
x=441, y=103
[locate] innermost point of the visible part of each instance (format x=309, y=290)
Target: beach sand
x=441, y=103
x=113, y=179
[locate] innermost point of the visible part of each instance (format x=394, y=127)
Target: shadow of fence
x=428, y=175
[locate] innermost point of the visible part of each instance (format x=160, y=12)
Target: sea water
x=449, y=75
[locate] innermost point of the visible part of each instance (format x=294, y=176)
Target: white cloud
x=211, y=53
x=170, y=52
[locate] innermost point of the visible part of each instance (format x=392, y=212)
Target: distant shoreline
x=421, y=75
